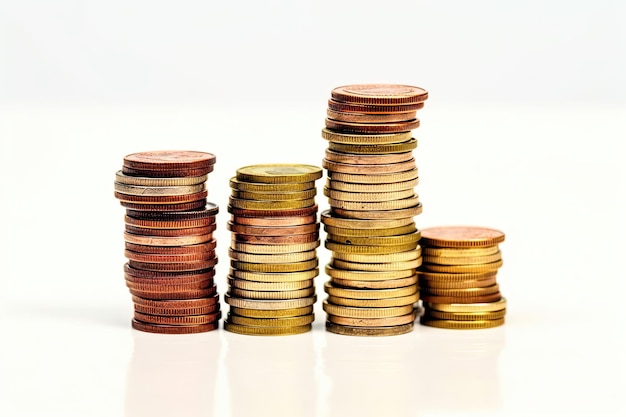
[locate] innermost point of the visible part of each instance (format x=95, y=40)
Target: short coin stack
x=275, y=235
x=169, y=240
x=370, y=228
x=458, y=277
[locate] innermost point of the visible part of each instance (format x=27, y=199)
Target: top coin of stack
x=275, y=233
x=458, y=277
x=169, y=240
x=370, y=189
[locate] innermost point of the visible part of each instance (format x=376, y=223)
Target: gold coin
x=464, y=260
x=158, y=182
x=269, y=286
x=370, y=178
x=367, y=159
x=366, y=313
x=270, y=188
x=360, y=169
x=381, y=322
x=375, y=206
x=371, y=188
x=274, y=196
x=269, y=304
x=376, y=240
x=456, y=277
x=377, y=149
x=458, y=284
x=377, y=139
x=477, y=268
x=265, y=331
x=377, y=214
x=273, y=268
x=475, y=316
x=461, y=252
x=387, y=266
x=373, y=259
x=368, y=197
x=369, y=294
x=462, y=236
x=273, y=249
x=167, y=241
x=468, y=308
x=389, y=283
x=271, y=322
x=279, y=173
x=394, y=231
x=269, y=204
x=272, y=295
x=387, y=249
x=275, y=277
x=383, y=302
x=369, y=331
x=268, y=314
x=278, y=258
x=329, y=220
x=462, y=325
x=462, y=292
x=158, y=191
x=367, y=275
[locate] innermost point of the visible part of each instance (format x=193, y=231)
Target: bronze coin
x=161, y=199
x=146, y=173
x=366, y=128
x=205, y=211
x=461, y=236
x=272, y=231
x=370, y=118
x=166, y=329
x=147, y=257
x=172, y=279
x=461, y=300
x=379, y=94
x=164, y=160
x=182, y=295
x=274, y=221
x=366, y=159
x=306, y=211
x=192, y=311
x=203, y=230
x=174, y=267
x=143, y=273
x=194, y=205
x=169, y=224
x=372, y=109
x=276, y=240
x=177, y=304
x=176, y=288
x=171, y=250
x=178, y=320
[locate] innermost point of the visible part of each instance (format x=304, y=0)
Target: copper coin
x=177, y=304
x=307, y=211
x=383, y=94
x=366, y=128
x=169, y=224
x=273, y=231
x=460, y=300
x=205, y=211
x=372, y=109
x=166, y=173
x=164, y=207
x=369, y=168
x=147, y=257
x=172, y=279
x=276, y=240
x=176, y=288
x=182, y=295
x=274, y=221
x=178, y=320
x=142, y=273
x=161, y=199
x=169, y=159
x=461, y=236
x=192, y=311
x=167, y=241
x=370, y=118
x=173, y=267
x=365, y=159
x=165, y=329
x=171, y=250
x=204, y=230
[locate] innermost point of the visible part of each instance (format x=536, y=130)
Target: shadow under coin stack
x=169, y=240
x=370, y=228
x=275, y=235
x=458, y=277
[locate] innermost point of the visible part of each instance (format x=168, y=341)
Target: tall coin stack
x=458, y=277
x=275, y=235
x=370, y=228
x=169, y=240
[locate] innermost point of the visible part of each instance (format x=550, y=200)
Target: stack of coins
x=370, y=227
x=458, y=277
x=169, y=240
x=275, y=235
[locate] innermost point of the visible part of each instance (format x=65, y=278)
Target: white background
x=522, y=132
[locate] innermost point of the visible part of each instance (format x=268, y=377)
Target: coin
x=141, y=273
x=403, y=203
x=206, y=210
x=371, y=250
x=270, y=205
x=461, y=236
x=274, y=196
x=169, y=224
x=462, y=325
x=276, y=240
x=387, y=148
x=371, y=188
x=329, y=220
x=158, y=191
x=440, y=299
x=269, y=304
x=171, y=267
x=270, y=188
x=367, y=313
x=370, y=214
x=274, y=276
x=177, y=304
x=393, y=231
x=177, y=311
x=386, y=266
x=181, y=295
x=462, y=252
x=369, y=294
x=369, y=139
x=369, y=331
x=167, y=173
x=462, y=292
x=455, y=277
x=171, y=250
x=367, y=197
x=379, y=94
x=192, y=257
x=370, y=117
x=424, y=284
x=474, y=316
x=267, y=314
x=172, y=279
x=272, y=258
x=271, y=322
x=385, y=284
x=136, y=207
x=272, y=295
x=365, y=128
x=365, y=178
x=409, y=255
x=367, y=275
x=274, y=221
x=122, y=178
x=160, y=199
x=169, y=160
x=160, y=288
x=478, y=268
x=368, y=159
x=273, y=249
x=167, y=241
x=269, y=286
x=376, y=240
x=272, y=231
x=379, y=302
x=168, y=329
x=266, y=331
x=178, y=320
x=275, y=268
x=463, y=260
x=380, y=322
x=499, y=304
x=372, y=109
x=360, y=169
x=144, y=231
x=305, y=211
x=279, y=173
